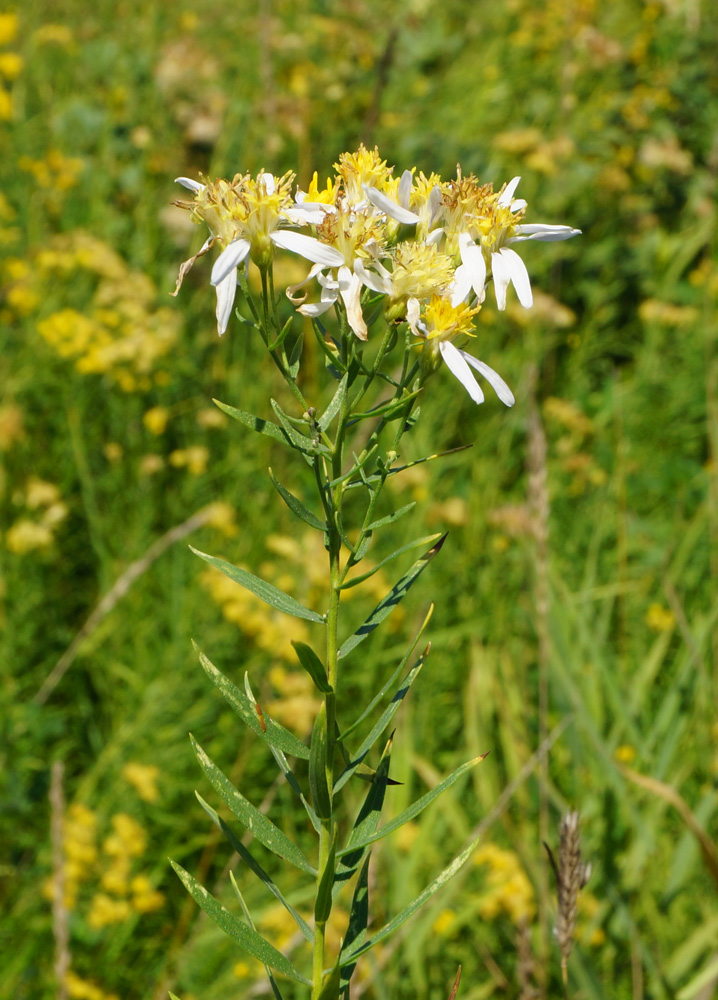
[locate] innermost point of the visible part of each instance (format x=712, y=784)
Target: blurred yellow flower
x=150, y=464
x=26, y=536
x=11, y=426
x=113, y=451
x=660, y=619
x=155, y=420
x=8, y=28
x=625, y=754
x=211, y=418
x=5, y=105
x=105, y=911
x=444, y=923
x=40, y=494
x=83, y=989
x=52, y=34
x=508, y=888
x=143, y=778
x=222, y=516
x=10, y=65
x=194, y=459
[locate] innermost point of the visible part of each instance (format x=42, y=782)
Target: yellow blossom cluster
x=297, y=704
x=122, y=333
x=575, y=459
x=44, y=512
x=84, y=989
x=659, y=618
x=508, y=889
x=11, y=63
x=55, y=173
x=143, y=778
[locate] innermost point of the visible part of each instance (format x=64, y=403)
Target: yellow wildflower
x=26, y=536
x=660, y=619
x=155, y=420
x=8, y=28
x=143, y=778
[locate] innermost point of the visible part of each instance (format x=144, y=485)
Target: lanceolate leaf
x=323, y=903
x=248, y=918
x=237, y=929
x=405, y=548
x=353, y=953
x=335, y=404
x=381, y=724
x=366, y=822
x=250, y=860
x=375, y=476
x=265, y=591
x=387, y=686
x=294, y=437
x=256, y=822
x=358, y=920
x=272, y=733
x=391, y=518
x=265, y=427
x=388, y=603
x=318, y=766
x=296, y=506
x=413, y=809
x=313, y=665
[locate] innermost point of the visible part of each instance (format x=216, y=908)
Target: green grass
x=609, y=113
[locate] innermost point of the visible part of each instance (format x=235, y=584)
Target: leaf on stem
x=238, y=930
x=388, y=603
x=323, y=903
x=366, y=822
x=296, y=506
x=321, y=799
x=381, y=724
x=248, y=918
x=252, y=862
x=265, y=427
x=358, y=921
x=359, y=553
x=391, y=518
x=264, y=591
x=359, y=949
x=336, y=403
x=273, y=733
x=298, y=441
x=256, y=822
x=313, y=665
x=413, y=810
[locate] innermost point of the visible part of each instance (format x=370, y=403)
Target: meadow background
x=108, y=441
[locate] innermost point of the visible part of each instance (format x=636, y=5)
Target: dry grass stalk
x=60, y=917
x=526, y=969
x=572, y=874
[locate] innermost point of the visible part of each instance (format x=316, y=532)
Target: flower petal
x=389, y=207
x=545, y=233
x=413, y=313
x=492, y=377
x=189, y=184
x=226, y=290
x=507, y=266
x=473, y=258
x=454, y=361
x=376, y=282
x=350, y=286
x=231, y=257
x=307, y=247
x=293, y=289
x=405, y=186
x=508, y=192
x=461, y=285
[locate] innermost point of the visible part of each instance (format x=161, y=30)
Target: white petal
x=508, y=192
x=190, y=184
x=492, y=377
x=315, y=308
x=434, y=237
x=231, y=257
x=389, y=207
x=454, y=360
x=544, y=233
x=377, y=282
x=434, y=203
x=226, y=290
x=293, y=289
x=413, y=312
x=309, y=213
x=461, y=285
x=350, y=290
x=472, y=257
x=268, y=182
x=518, y=203
x=507, y=266
x=307, y=247
x=405, y=186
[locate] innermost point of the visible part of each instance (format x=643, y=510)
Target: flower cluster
x=429, y=246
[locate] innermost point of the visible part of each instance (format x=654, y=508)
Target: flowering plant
x=412, y=255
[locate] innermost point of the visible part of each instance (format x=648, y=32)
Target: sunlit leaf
x=296, y=506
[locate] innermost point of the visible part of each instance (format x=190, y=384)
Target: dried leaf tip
x=572, y=874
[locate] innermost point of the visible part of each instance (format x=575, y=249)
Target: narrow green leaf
x=375, y=476
x=282, y=336
x=391, y=518
x=355, y=580
x=331, y=983
x=296, y=506
x=265, y=427
x=246, y=856
x=273, y=733
x=358, y=921
x=297, y=440
x=296, y=355
x=248, y=918
x=353, y=953
x=366, y=822
x=335, y=405
x=387, y=686
x=256, y=822
x=414, y=809
x=323, y=904
x=382, y=723
x=388, y=603
x=390, y=406
x=321, y=799
x=313, y=665
x=264, y=591
x=237, y=929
